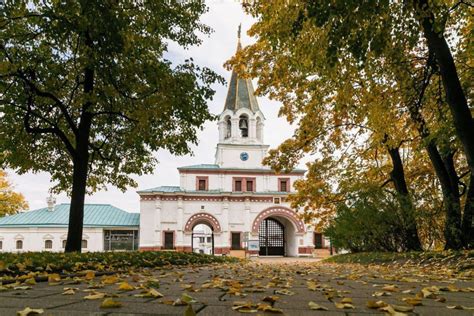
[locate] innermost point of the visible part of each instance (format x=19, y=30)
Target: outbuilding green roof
x=95, y=215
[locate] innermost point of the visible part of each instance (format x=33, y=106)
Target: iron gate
x=271, y=236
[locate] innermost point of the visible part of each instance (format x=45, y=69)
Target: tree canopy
x=88, y=94
x=10, y=201
x=371, y=91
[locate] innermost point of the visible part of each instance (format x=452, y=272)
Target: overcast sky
x=224, y=17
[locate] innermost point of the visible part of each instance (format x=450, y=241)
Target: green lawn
x=24, y=263
x=448, y=257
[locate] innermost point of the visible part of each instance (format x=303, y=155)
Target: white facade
x=233, y=196
x=105, y=228
x=35, y=239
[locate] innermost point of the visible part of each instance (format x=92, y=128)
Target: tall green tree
x=87, y=93
x=339, y=66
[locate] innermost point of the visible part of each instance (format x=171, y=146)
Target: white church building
x=221, y=208
x=237, y=197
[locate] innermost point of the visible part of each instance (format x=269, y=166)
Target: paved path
x=217, y=289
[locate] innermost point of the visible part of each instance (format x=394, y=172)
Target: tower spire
x=241, y=93
x=239, y=30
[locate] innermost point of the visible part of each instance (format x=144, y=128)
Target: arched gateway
x=243, y=202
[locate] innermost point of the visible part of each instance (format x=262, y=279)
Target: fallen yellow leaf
x=376, y=304
x=95, y=296
x=312, y=305
x=110, y=303
x=29, y=311
x=124, y=286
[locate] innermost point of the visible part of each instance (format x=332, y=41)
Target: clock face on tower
x=244, y=156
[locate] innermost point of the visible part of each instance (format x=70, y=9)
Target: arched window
x=19, y=244
x=244, y=125
x=48, y=244
x=228, y=127
x=84, y=244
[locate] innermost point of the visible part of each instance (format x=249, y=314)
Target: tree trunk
x=448, y=179
x=412, y=241
x=452, y=204
x=467, y=231
x=81, y=165
x=76, y=212
x=455, y=96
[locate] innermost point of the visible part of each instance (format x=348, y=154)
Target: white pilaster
x=247, y=225
x=179, y=232
x=235, y=129
x=157, y=220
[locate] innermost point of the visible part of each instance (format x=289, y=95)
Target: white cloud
x=224, y=17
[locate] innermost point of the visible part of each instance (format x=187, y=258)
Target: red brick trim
x=207, y=183
x=184, y=249
x=305, y=250
x=288, y=184
x=234, y=180
x=221, y=250
x=202, y=218
x=213, y=198
x=278, y=211
x=157, y=248
x=244, y=180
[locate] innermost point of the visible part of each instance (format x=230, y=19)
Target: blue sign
x=244, y=156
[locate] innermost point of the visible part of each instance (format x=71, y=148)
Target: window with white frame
x=48, y=244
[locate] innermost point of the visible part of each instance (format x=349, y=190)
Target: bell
x=243, y=124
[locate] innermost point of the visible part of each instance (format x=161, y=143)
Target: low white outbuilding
x=105, y=228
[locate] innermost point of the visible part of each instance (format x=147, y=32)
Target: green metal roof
x=95, y=215
x=216, y=167
x=201, y=166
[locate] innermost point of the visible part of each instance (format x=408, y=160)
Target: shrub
x=370, y=222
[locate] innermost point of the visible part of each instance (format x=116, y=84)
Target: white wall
x=232, y=216
x=224, y=182
x=34, y=238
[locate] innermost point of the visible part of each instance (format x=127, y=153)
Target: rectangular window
x=238, y=185
x=202, y=183
x=249, y=185
x=1, y=244
x=84, y=244
x=209, y=239
x=169, y=240
x=318, y=241
x=19, y=244
x=201, y=240
x=120, y=240
x=284, y=184
x=235, y=241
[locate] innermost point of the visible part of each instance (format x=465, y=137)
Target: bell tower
x=241, y=125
